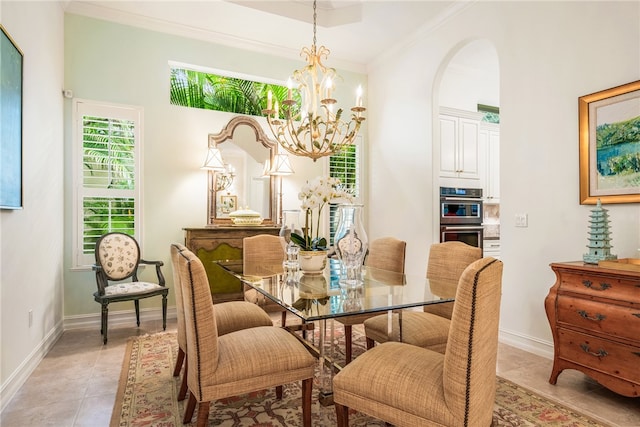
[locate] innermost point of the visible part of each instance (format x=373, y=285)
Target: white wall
x=175, y=138
x=550, y=53
x=31, y=238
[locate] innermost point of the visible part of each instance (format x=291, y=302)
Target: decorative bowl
x=245, y=217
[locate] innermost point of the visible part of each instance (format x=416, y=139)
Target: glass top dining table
x=321, y=296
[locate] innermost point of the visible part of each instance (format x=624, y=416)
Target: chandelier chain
x=315, y=14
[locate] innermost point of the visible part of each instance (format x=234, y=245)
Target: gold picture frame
x=228, y=204
x=608, y=123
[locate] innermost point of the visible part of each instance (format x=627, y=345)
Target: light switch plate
x=522, y=220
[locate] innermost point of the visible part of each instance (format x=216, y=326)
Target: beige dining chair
x=454, y=389
x=385, y=253
x=230, y=316
x=263, y=254
x=238, y=362
x=429, y=328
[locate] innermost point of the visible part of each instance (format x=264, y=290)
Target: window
x=346, y=167
x=107, y=147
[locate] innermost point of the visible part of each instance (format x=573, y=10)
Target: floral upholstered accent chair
x=117, y=260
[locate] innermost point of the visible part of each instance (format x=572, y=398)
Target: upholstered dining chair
x=117, y=260
x=230, y=316
x=429, y=328
x=268, y=250
x=238, y=362
x=385, y=253
x=456, y=388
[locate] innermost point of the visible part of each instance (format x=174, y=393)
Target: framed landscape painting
x=609, y=127
x=10, y=123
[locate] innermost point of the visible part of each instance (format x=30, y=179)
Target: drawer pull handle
x=600, y=353
x=598, y=317
x=589, y=284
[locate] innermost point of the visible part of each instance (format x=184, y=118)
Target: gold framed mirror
x=245, y=149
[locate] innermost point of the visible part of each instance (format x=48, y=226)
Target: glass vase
x=290, y=224
x=351, y=244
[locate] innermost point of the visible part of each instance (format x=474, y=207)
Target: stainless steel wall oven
x=461, y=215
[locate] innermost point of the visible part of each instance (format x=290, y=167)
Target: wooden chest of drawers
x=594, y=314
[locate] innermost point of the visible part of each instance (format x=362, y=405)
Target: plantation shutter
x=108, y=177
x=346, y=167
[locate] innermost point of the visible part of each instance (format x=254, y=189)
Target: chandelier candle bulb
x=290, y=89
x=269, y=100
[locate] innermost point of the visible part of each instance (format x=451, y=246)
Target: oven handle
x=461, y=199
x=462, y=227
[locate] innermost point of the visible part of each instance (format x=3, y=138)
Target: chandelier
x=312, y=129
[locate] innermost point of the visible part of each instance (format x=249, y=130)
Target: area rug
x=147, y=397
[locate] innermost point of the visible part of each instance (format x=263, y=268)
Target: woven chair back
x=469, y=370
x=387, y=253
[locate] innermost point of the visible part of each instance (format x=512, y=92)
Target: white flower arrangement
x=315, y=194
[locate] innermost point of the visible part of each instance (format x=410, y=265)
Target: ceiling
x=356, y=31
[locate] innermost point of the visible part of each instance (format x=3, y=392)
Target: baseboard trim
x=527, y=343
x=122, y=317
x=28, y=365
x=83, y=321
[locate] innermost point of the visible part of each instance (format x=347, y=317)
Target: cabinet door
x=468, y=149
x=493, y=167
x=459, y=148
x=448, y=143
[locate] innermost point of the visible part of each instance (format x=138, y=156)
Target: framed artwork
x=10, y=123
x=228, y=203
x=609, y=133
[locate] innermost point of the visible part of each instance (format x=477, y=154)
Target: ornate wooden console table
x=217, y=243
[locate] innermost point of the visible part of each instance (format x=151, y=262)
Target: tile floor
x=75, y=385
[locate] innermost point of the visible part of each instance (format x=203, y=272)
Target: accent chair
x=117, y=260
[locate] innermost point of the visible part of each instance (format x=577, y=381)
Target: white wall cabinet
x=460, y=156
x=489, y=136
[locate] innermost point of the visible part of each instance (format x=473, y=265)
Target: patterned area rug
x=147, y=397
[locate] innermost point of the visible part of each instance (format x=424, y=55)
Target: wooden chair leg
x=370, y=343
x=183, y=387
x=307, y=391
x=164, y=313
x=179, y=360
x=203, y=414
x=347, y=343
x=279, y=390
x=189, y=409
x=137, y=304
x=105, y=317
x=342, y=415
